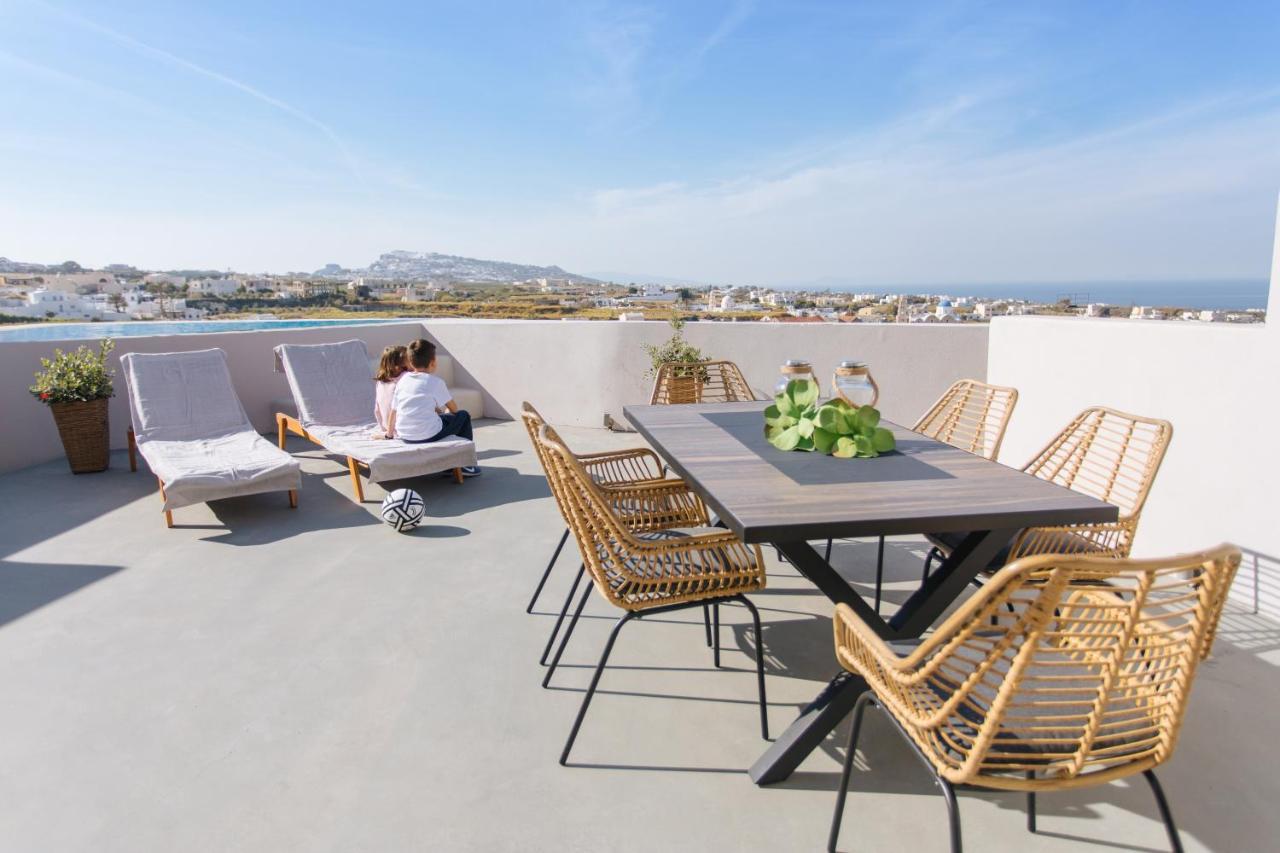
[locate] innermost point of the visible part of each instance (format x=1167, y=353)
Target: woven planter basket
x=85, y=438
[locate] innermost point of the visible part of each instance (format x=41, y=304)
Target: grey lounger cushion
x=193, y=432
x=334, y=393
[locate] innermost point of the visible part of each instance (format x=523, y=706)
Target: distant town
x=434, y=285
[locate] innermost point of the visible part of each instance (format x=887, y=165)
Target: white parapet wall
x=577, y=371
x=1216, y=383
x=574, y=371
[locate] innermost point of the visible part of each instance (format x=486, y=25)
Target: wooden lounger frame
x=168, y=513
x=286, y=424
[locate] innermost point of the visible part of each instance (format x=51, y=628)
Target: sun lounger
x=333, y=390
x=190, y=427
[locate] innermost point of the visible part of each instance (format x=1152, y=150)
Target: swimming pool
x=139, y=328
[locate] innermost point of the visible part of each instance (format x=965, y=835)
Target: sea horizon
x=1217, y=294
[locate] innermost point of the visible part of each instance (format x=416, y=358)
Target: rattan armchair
x=1063, y=672
x=699, y=382
x=1107, y=454
x=647, y=573
x=634, y=482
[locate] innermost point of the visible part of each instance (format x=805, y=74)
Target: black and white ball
x=403, y=509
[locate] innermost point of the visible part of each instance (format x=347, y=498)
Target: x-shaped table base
x=821, y=716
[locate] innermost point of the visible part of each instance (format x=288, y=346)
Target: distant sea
x=1231, y=295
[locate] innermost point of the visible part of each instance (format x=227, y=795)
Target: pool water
x=139, y=328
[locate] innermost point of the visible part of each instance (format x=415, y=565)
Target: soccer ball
x=403, y=509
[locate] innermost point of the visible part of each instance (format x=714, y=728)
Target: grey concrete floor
x=265, y=679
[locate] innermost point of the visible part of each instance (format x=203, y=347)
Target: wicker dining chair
x=619, y=467
x=1063, y=672
x=699, y=382
x=648, y=573
x=970, y=415
x=634, y=482
x=1104, y=453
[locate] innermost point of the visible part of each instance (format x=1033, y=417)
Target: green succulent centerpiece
x=795, y=421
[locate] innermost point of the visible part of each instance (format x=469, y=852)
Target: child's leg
x=454, y=423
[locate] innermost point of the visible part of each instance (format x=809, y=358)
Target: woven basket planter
x=84, y=433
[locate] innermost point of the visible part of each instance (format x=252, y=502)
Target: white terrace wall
x=1215, y=383
x=576, y=371
x=27, y=434
x=573, y=371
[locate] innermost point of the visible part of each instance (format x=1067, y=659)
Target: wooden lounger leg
x=281, y=429
x=293, y=499
x=354, y=467
x=457, y=476
x=133, y=450
x=168, y=514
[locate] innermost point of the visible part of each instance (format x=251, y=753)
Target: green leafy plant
x=75, y=377
x=677, y=349
x=795, y=421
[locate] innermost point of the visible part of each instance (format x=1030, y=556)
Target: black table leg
x=816, y=721
x=821, y=716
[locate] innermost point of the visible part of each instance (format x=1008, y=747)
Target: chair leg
x=879, y=573
x=1167, y=816
x=457, y=476
x=706, y=622
x=755, y=624
x=293, y=499
x=715, y=634
x=133, y=450
x=834, y=837
x=281, y=430
x=568, y=632
x=953, y=813
x=547, y=572
x=564, y=611
x=828, y=555
x=1031, y=805
x=354, y=467
x=168, y=514
x=591, y=691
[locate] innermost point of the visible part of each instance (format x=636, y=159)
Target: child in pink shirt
x=392, y=366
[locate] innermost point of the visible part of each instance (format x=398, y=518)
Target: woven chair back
x=972, y=416
x=1070, y=667
x=700, y=382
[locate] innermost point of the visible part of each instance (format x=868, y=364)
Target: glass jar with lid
x=793, y=369
x=854, y=384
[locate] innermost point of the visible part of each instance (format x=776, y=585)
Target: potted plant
x=686, y=382
x=76, y=386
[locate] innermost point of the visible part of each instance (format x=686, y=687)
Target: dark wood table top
x=768, y=495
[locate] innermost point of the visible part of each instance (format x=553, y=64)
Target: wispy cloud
x=172, y=59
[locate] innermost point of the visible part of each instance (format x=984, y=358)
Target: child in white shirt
x=422, y=409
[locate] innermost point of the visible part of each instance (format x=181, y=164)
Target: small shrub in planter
x=76, y=386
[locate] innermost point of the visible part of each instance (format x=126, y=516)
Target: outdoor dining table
x=788, y=499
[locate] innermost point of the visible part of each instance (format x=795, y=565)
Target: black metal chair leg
x=828, y=556
x=755, y=623
x=834, y=837
x=953, y=814
x=564, y=611
x=564, y=641
x=706, y=622
x=879, y=573
x=715, y=634
x=1165, y=815
x=547, y=572
x=1031, y=805
x=595, y=680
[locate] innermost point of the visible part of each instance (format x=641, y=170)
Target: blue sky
x=769, y=142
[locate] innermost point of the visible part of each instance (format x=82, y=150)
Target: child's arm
x=451, y=406
x=391, y=424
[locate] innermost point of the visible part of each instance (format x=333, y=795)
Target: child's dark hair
x=422, y=353
x=391, y=365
